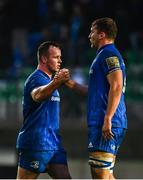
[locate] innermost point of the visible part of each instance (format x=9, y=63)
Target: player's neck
x=45, y=70
x=105, y=42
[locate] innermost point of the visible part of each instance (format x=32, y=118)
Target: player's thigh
x=96, y=141
x=58, y=166
x=26, y=174
x=58, y=171
x=101, y=164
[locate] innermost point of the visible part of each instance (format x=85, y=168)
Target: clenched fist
x=62, y=76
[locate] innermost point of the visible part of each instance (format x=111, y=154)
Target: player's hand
x=106, y=129
x=62, y=76
x=70, y=83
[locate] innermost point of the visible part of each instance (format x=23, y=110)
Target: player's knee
x=101, y=163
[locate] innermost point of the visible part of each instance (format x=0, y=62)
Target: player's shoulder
x=108, y=52
x=31, y=79
x=33, y=75
x=105, y=54
x=113, y=58
x=37, y=75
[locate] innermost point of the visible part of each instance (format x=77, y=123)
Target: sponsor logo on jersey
x=53, y=98
x=34, y=164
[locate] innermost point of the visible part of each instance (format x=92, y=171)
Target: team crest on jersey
x=113, y=147
x=34, y=164
x=113, y=62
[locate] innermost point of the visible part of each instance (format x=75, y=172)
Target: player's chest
x=55, y=97
x=94, y=68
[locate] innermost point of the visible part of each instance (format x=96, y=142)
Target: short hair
x=106, y=25
x=44, y=47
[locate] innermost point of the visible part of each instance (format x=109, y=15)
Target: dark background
x=24, y=24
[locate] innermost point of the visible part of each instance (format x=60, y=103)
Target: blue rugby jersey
x=40, y=130
x=107, y=60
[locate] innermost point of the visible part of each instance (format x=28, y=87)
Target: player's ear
x=102, y=35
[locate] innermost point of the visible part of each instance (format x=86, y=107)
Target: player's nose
x=60, y=60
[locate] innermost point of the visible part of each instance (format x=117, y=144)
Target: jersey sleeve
x=36, y=82
x=110, y=62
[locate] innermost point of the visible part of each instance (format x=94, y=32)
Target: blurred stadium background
x=24, y=24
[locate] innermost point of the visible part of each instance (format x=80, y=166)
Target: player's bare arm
x=43, y=92
x=82, y=89
x=115, y=80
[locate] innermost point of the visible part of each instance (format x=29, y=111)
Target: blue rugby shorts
x=37, y=161
x=96, y=142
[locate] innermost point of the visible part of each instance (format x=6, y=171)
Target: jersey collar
x=43, y=73
x=107, y=45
